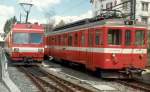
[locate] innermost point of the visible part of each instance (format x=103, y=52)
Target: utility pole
x=133, y=10
x=26, y=7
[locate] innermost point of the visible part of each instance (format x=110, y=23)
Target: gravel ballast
x=21, y=80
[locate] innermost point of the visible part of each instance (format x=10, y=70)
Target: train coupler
x=27, y=60
x=131, y=72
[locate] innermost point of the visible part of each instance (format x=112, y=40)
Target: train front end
x=27, y=44
x=125, y=49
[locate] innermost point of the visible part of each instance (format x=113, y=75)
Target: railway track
x=47, y=82
x=135, y=84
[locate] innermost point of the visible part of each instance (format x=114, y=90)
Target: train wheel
x=45, y=57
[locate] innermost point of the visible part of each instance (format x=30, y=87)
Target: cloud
x=6, y=13
x=68, y=19
x=41, y=4
x=39, y=20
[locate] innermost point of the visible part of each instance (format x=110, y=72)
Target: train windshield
x=21, y=38
x=27, y=38
x=35, y=38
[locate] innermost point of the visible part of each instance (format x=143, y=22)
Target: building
x=142, y=8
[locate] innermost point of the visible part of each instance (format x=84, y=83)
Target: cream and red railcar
x=25, y=43
x=111, y=46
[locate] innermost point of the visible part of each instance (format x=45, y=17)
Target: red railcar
x=25, y=43
x=107, y=46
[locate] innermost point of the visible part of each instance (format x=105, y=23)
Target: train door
x=139, y=48
x=65, y=44
x=128, y=48
x=90, y=49
x=82, y=49
x=76, y=45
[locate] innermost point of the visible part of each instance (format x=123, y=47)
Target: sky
x=43, y=10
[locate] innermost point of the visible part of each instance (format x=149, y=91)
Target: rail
x=48, y=82
x=135, y=84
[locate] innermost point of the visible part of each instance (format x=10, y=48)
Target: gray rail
x=4, y=75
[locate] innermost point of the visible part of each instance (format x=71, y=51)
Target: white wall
x=139, y=13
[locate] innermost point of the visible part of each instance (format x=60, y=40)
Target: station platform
x=3, y=88
x=146, y=76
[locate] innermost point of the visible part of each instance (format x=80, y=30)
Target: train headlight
x=16, y=49
x=141, y=56
x=40, y=50
x=113, y=55
x=114, y=58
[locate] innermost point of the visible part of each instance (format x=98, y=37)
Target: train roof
x=26, y=27
x=87, y=23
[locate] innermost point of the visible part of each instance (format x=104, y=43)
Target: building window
x=115, y=2
x=145, y=20
x=109, y=5
x=125, y=6
x=144, y=6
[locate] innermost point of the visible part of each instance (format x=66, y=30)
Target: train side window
x=127, y=37
x=62, y=40
x=70, y=40
x=82, y=39
x=53, y=39
x=114, y=37
x=139, y=37
x=59, y=40
x=65, y=39
x=76, y=39
x=98, y=37
x=90, y=38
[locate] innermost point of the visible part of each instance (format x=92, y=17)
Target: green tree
x=8, y=24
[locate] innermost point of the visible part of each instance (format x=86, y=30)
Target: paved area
x=107, y=85
x=146, y=76
x=3, y=88
x=21, y=80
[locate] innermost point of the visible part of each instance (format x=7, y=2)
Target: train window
x=21, y=38
x=127, y=37
x=62, y=40
x=98, y=37
x=53, y=39
x=114, y=37
x=82, y=39
x=76, y=39
x=90, y=38
x=59, y=40
x=70, y=40
x=65, y=38
x=139, y=37
x=36, y=38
